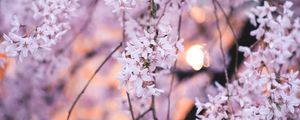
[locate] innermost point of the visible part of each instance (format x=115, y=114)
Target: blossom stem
x=89, y=81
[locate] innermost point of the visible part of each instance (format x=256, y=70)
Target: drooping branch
x=89, y=81
x=173, y=69
x=222, y=51
x=227, y=19
x=221, y=42
x=92, y=8
x=153, y=108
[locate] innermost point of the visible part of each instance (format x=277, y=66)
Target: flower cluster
x=148, y=51
x=119, y=5
x=51, y=16
x=268, y=88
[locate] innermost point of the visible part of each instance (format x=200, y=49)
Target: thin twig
x=234, y=35
x=143, y=114
x=153, y=107
x=173, y=69
x=92, y=7
x=257, y=42
x=130, y=106
x=221, y=42
x=170, y=91
x=222, y=50
x=89, y=81
x=163, y=13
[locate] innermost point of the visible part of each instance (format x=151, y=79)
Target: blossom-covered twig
x=52, y=25
x=266, y=89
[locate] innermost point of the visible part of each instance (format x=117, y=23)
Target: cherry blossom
x=265, y=89
x=44, y=35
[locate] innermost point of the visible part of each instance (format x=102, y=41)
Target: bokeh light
x=195, y=57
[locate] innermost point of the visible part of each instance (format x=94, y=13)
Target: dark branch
x=143, y=114
x=130, y=106
x=221, y=42
x=92, y=7
x=87, y=84
x=234, y=35
x=153, y=107
x=173, y=69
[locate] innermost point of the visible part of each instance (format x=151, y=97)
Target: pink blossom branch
x=89, y=81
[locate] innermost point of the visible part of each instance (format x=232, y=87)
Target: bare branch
x=153, y=107
x=143, y=114
x=222, y=50
x=233, y=32
x=92, y=7
x=89, y=81
x=173, y=69
x=221, y=42
x=130, y=106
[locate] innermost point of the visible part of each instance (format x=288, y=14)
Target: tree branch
x=143, y=114
x=92, y=7
x=153, y=107
x=89, y=81
x=222, y=51
x=221, y=42
x=130, y=106
x=173, y=69
x=233, y=32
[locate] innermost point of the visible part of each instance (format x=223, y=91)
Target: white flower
x=198, y=105
x=265, y=10
x=147, y=54
x=15, y=24
x=44, y=35
x=119, y=5
x=245, y=50
x=25, y=46
x=179, y=45
x=264, y=89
